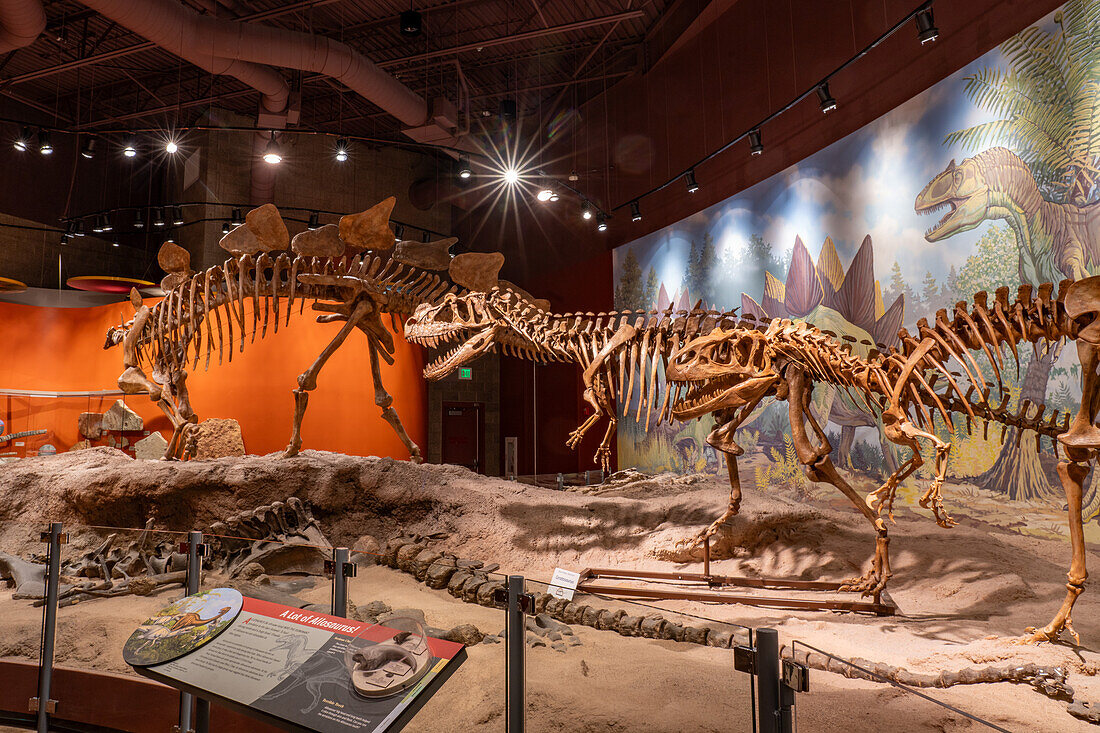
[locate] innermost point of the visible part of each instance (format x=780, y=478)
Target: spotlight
x=177, y=215
x=23, y=141
x=78, y=228
x=171, y=147
x=44, y=145
x=689, y=179
x=158, y=217
x=103, y=224
x=601, y=223
x=926, y=28
x=87, y=148
x=586, y=210
x=828, y=104
x=341, y=149
x=511, y=176
x=130, y=147
x=139, y=219
x=399, y=231
x=553, y=196
x=508, y=110
x=273, y=154
x=411, y=24
x=544, y=195
x=635, y=211
x=314, y=221
x=226, y=227
x=756, y=147
x=114, y=244
x=464, y=171
x=236, y=218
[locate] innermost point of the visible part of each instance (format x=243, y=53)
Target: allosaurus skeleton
x=717, y=363
x=357, y=290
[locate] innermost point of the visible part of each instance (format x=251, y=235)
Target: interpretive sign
x=303, y=670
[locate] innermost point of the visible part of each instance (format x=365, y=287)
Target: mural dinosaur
x=728, y=371
x=1055, y=240
x=331, y=267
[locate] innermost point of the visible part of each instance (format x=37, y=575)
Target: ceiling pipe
x=191, y=35
x=163, y=21
x=21, y=22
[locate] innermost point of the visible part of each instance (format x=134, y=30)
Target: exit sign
x=465, y=373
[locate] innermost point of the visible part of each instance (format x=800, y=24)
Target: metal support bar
x=202, y=715
x=195, y=551
x=767, y=673
x=515, y=630
x=341, y=571
x=44, y=704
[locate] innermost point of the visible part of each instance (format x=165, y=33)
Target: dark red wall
x=740, y=61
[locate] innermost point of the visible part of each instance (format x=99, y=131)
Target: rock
x=141, y=586
x=81, y=445
x=721, y=638
x=540, y=601
x=121, y=418
x=414, y=613
x=476, y=270
x=572, y=641
x=485, y=593
x=696, y=634
x=250, y=572
x=439, y=575
x=322, y=242
x=151, y=447
x=558, y=646
x=590, y=616
x=554, y=636
x=457, y=581
x=373, y=610
x=535, y=642
x=469, y=564
x=652, y=626
x=218, y=438
x=490, y=568
x=467, y=634
x=491, y=639
x=267, y=224
x=90, y=424
x=369, y=229
x=173, y=258
x=424, y=561
x=425, y=255
x=630, y=625
x=470, y=589
x=609, y=620
x=554, y=606
x=389, y=554
x=240, y=241
x=406, y=555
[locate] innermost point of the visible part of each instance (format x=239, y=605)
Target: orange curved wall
x=61, y=349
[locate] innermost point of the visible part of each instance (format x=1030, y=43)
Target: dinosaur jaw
x=474, y=343
x=945, y=227
x=706, y=396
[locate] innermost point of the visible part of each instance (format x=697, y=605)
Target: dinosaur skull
x=465, y=319
x=963, y=190
x=722, y=370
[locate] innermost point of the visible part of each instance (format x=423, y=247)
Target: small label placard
x=564, y=583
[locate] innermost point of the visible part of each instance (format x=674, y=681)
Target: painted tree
x=628, y=294
x=649, y=296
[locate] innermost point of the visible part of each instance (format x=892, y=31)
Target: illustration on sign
x=182, y=627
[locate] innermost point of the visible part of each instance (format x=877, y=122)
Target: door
x=463, y=435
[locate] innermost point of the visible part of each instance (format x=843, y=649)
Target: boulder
x=457, y=581
x=406, y=555
x=151, y=447
x=121, y=418
x=218, y=438
x=465, y=634
x=368, y=549
x=90, y=424
x=438, y=575
x=424, y=561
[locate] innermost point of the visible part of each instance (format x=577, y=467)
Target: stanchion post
x=195, y=550
x=340, y=569
x=44, y=705
x=515, y=640
x=767, y=679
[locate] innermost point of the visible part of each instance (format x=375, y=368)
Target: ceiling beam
x=513, y=38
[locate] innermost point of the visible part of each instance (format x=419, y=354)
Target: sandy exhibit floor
x=963, y=595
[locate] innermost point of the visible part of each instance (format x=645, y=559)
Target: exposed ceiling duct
x=21, y=21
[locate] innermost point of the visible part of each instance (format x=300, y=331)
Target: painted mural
x=989, y=179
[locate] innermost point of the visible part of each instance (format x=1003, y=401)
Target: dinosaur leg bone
x=1073, y=475
x=383, y=399
x=594, y=391
x=307, y=380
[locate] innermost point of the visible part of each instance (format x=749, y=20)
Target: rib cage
x=175, y=329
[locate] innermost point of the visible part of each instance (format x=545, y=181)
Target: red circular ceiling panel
x=7, y=285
